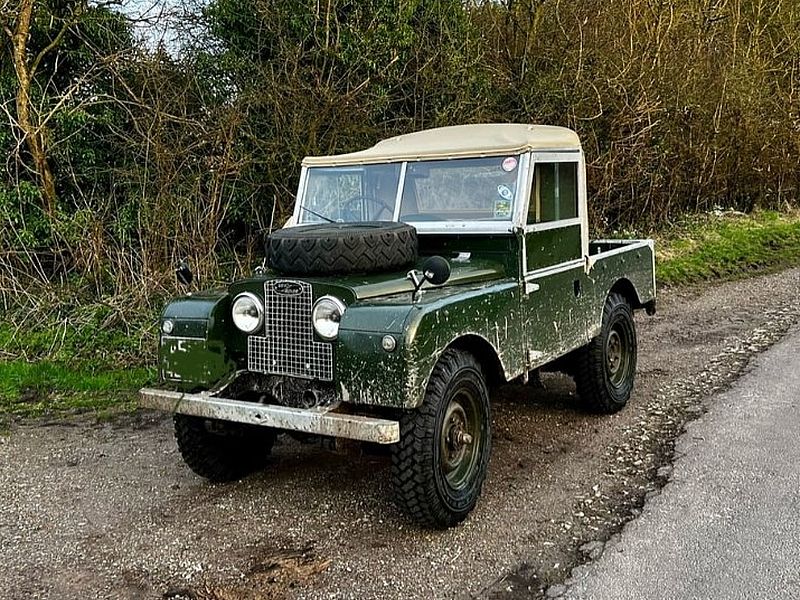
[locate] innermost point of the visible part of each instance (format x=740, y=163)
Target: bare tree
x=28, y=117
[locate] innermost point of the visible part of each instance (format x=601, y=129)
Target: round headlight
x=325, y=315
x=167, y=326
x=247, y=312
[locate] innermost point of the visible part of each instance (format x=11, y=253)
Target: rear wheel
x=220, y=450
x=440, y=463
x=606, y=366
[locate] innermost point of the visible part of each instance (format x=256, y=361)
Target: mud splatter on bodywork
x=482, y=307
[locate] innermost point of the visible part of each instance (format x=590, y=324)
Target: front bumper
x=320, y=421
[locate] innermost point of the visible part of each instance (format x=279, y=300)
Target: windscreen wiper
x=316, y=214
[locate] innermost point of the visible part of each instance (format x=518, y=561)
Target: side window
x=555, y=192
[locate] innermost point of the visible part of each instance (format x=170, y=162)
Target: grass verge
x=44, y=388
x=59, y=358
x=727, y=246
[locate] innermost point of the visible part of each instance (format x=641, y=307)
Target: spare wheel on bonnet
x=328, y=248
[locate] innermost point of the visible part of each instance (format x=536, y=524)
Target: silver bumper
x=319, y=421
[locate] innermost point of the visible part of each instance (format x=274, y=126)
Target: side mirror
x=183, y=273
x=436, y=270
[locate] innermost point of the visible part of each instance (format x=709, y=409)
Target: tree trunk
x=27, y=118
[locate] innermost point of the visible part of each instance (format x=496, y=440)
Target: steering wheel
x=350, y=207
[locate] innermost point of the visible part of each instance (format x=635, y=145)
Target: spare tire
x=342, y=248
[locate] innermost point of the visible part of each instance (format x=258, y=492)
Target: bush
x=157, y=156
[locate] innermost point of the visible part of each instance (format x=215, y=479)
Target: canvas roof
x=490, y=139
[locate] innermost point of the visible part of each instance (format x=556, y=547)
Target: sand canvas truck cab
x=413, y=277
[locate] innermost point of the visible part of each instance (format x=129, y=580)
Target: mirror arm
x=417, y=278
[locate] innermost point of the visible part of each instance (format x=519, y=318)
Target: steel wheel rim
x=617, y=355
x=458, y=440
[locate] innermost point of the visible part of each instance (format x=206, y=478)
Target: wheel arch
x=627, y=289
x=485, y=353
x=623, y=286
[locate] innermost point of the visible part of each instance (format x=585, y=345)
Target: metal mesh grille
x=289, y=347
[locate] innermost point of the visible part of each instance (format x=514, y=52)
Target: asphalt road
x=727, y=525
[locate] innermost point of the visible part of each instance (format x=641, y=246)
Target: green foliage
x=71, y=100
x=21, y=215
x=727, y=246
x=81, y=334
x=311, y=79
x=36, y=389
x=73, y=356
x=681, y=106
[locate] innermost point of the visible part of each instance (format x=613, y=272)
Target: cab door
x=553, y=257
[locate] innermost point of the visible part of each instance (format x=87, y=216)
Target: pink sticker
x=509, y=164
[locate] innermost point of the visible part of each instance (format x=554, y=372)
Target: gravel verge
x=107, y=509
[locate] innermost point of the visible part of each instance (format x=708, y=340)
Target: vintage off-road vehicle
x=412, y=278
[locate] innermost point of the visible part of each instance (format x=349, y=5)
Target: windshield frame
x=448, y=227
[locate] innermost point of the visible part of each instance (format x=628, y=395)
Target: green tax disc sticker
x=502, y=209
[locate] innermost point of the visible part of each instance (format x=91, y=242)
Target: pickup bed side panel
x=628, y=266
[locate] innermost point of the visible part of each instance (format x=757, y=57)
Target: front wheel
x=440, y=462
x=220, y=450
x=606, y=367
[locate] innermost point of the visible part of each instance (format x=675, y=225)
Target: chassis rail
x=319, y=421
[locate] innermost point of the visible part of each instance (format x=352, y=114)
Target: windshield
x=349, y=194
x=467, y=189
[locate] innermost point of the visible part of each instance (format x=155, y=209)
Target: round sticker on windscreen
x=505, y=192
x=509, y=164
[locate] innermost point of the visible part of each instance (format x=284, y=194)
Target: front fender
x=365, y=372
x=194, y=355
x=368, y=374
x=490, y=312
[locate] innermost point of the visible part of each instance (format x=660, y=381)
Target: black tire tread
x=589, y=365
x=413, y=480
x=339, y=248
x=221, y=458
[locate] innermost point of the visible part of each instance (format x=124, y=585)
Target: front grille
x=289, y=347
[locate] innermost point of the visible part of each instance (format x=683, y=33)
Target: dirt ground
x=108, y=510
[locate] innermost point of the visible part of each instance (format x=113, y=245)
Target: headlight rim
x=340, y=306
x=167, y=326
x=259, y=307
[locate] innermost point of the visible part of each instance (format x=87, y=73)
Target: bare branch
x=56, y=40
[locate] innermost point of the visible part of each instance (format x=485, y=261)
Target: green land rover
x=412, y=278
